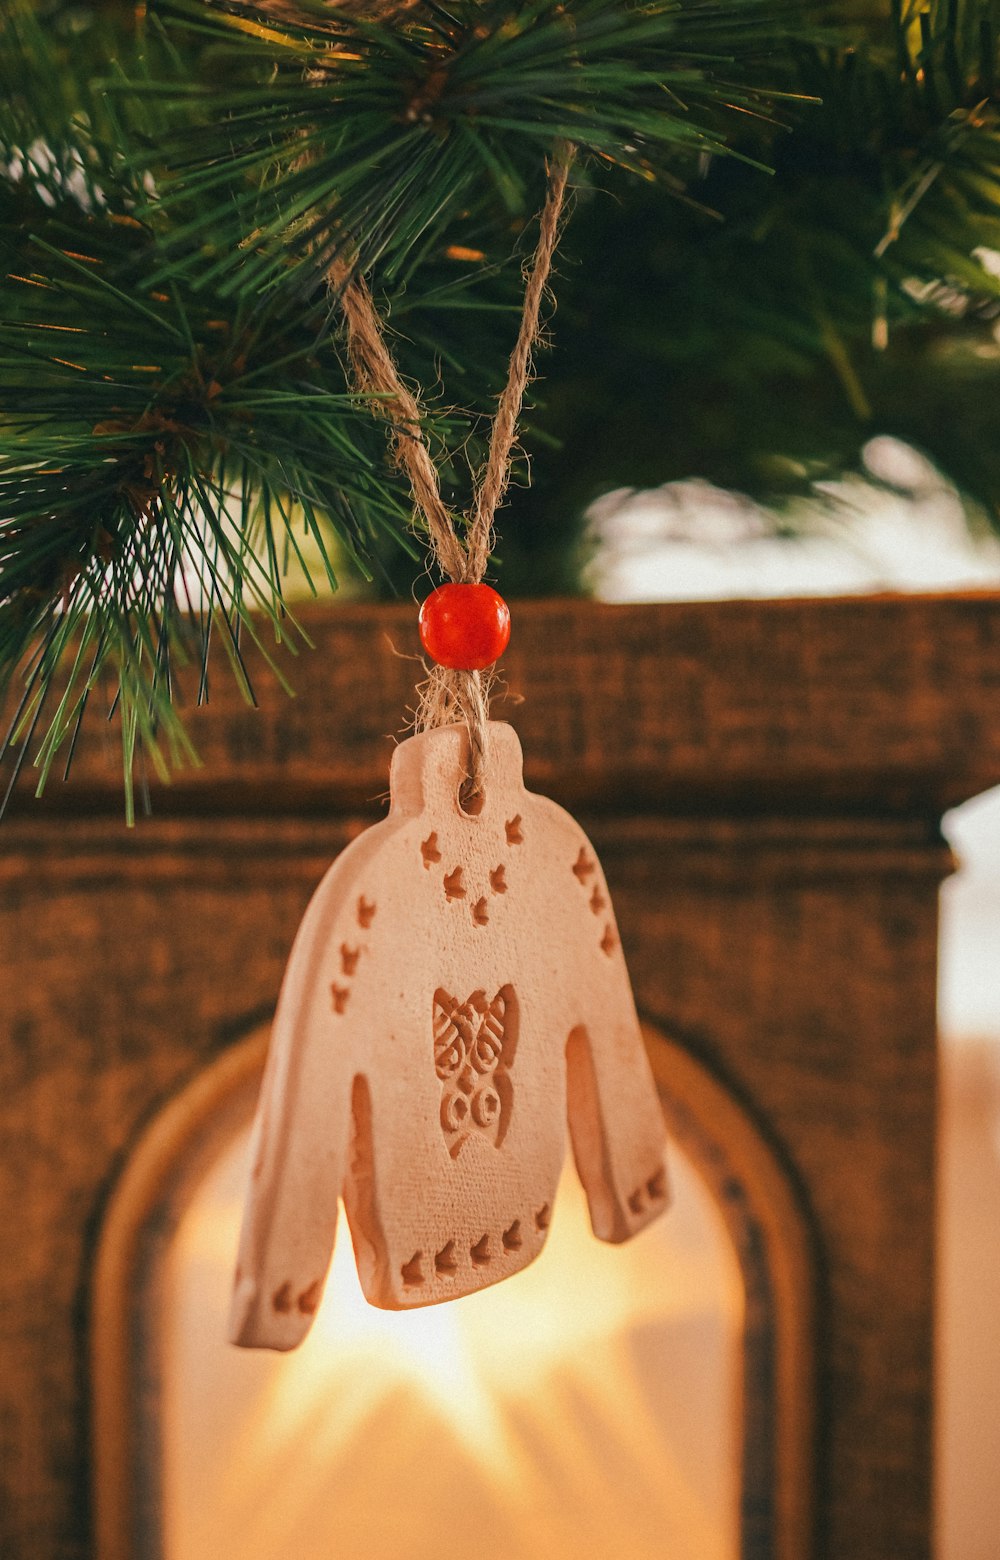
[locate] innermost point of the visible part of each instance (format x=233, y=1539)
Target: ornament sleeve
x=616, y=1121
x=299, y=1148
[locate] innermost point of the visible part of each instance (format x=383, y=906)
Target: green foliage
x=162, y=454
x=846, y=296
x=161, y=459
x=175, y=423
x=176, y=426
x=367, y=140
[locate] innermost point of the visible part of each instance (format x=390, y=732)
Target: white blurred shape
x=690, y=541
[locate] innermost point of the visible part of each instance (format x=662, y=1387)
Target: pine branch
x=162, y=455
x=856, y=292
x=173, y=416
x=371, y=138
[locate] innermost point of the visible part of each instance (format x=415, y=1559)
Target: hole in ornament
x=498, y=880
x=349, y=959
x=512, y=1237
x=635, y=1201
x=515, y=834
x=583, y=866
x=543, y=1217
x=282, y=1298
x=366, y=912
x=308, y=1301
x=656, y=1186
x=445, y=1260
x=454, y=887
x=480, y=1252
x=429, y=850
x=597, y=901
x=480, y=912
x=470, y=799
x=412, y=1272
x=340, y=995
x=608, y=942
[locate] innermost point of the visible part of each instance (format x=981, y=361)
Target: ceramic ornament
x=456, y=991
x=455, y=994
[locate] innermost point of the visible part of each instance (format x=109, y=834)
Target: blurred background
x=766, y=383
x=691, y=541
x=602, y=1369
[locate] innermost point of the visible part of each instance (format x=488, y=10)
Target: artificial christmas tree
x=191, y=206
x=179, y=187
x=189, y=221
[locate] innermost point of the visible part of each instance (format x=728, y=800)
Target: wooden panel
x=884, y=703
x=763, y=782
x=114, y=991
x=814, y=1001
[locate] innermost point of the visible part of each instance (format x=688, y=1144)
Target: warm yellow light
x=529, y=1420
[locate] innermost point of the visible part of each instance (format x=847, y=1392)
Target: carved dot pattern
x=512, y=1237
x=285, y=1299
x=445, y=1260
x=454, y=885
x=454, y=888
x=583, y=866
x=412, y=1272
x=309, y=1299
x=655, y=1189
x=429, y=850
x=446, y=1263
x=349, y=957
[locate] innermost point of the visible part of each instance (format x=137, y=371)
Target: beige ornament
x=455, y=991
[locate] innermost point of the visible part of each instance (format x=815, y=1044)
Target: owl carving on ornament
x=474, y=1044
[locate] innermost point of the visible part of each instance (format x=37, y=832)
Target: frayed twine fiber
x=453, y=697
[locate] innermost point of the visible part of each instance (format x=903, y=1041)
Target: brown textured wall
x=804, y=976
x=763, y=782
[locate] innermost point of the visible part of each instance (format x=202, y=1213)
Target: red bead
x=465, y=627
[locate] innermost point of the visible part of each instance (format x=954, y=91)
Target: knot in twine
x=450, y=697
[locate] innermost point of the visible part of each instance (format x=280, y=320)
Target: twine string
x=375, y=373
x=449, y=697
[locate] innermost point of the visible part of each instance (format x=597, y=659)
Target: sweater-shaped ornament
x=456, y=992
